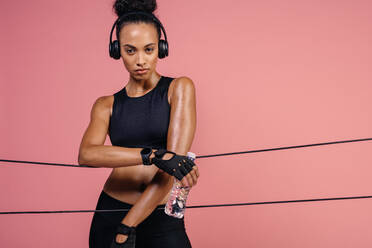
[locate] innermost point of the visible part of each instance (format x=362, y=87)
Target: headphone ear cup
x=163, y=49
x=114, y=49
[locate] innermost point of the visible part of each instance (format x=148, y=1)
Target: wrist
x=145, y=155
x=129, y=223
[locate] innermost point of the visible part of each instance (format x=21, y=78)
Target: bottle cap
x=191, y=155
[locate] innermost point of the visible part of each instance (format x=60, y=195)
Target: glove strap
x=124, y=229
x=160, y=153
x=145, y=154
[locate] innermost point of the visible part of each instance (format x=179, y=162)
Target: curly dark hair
x=122, y=7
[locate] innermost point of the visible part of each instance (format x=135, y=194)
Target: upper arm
x=96, y=132
x=182, y=122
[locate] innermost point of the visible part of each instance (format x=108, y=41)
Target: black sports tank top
x=141, y=121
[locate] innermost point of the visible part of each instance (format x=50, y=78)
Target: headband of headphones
x=114, y=48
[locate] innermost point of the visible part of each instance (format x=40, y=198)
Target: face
x=139, y=48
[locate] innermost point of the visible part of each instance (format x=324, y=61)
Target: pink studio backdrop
x=267, y=74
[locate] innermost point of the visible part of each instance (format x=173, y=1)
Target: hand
x=125, y=237
x=181, y=167
x=191, y=178
x=121, y=238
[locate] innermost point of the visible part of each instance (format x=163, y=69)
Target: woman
x=152, y=111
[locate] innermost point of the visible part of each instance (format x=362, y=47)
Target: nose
x=140, y=59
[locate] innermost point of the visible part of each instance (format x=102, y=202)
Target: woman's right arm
x=92, y=150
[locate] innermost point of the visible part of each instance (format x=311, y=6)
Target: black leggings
x=157, y=230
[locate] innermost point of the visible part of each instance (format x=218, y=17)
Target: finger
x=189, y=180
x=179, y=176
x=194, y=177
x=184, y=182
x=190, y=176
x=185, y=169
x=195, y=168
x=121, y=238
x=188, y=166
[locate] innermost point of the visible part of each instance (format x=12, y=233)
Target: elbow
x=84, y=157
x=81, y=160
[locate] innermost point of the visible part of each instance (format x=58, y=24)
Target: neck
x=138, y=85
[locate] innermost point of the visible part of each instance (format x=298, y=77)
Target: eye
x=149, y=49
x=129, y=50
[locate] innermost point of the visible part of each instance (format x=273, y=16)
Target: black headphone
x=114, y=46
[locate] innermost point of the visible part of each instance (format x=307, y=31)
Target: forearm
x=109, y=156
x=154, y=193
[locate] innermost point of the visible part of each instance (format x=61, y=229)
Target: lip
x=141, y=71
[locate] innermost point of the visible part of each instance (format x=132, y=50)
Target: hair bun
x=124, y=6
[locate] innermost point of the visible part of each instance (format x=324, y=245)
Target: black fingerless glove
x=126, y=230
x=177, y=166
x=145, y=154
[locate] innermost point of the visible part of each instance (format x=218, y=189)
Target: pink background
x=267, y=74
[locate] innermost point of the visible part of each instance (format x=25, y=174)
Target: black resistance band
x=200, y=206
x=203, y=156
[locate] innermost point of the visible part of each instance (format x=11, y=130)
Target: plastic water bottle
x=176, y=203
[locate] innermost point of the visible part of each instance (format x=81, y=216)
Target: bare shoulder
x=181, y=86
x=102, y=106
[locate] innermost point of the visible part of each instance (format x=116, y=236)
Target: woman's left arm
x=180, y=135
